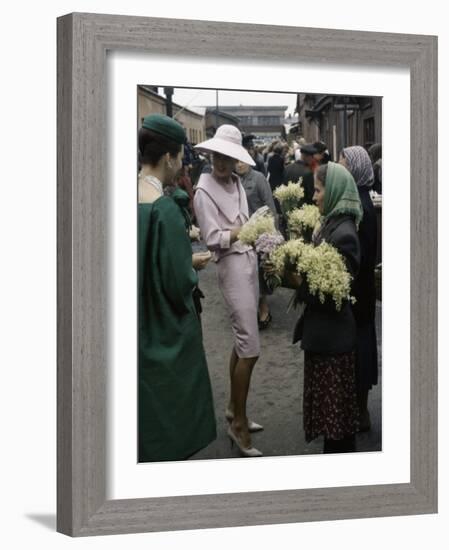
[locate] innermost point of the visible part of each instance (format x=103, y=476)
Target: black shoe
x=345, y=445
x=265, y=323
x=364, y=422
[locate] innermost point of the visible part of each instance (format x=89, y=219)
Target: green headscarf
x=341, y=195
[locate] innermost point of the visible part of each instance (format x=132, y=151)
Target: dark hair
x=321, y=174
x=320, y=146
x=278, y=149
x=153, y=146
x=375, y=152
x=323, y=150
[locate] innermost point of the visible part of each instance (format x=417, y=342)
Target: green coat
x=176, y=414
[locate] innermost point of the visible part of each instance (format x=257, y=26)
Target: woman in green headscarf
x=176, y=414
x=328, y=336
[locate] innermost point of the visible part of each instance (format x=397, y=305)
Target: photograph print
x=259, y=273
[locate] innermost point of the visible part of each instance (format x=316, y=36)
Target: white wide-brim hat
x=227, y=141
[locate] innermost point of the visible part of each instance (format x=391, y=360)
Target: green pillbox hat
x=165, y=126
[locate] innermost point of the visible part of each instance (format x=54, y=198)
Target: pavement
x=275, y=396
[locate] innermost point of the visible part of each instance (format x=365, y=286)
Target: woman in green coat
x=176, y=414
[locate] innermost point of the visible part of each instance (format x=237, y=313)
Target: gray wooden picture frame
x=83, y=40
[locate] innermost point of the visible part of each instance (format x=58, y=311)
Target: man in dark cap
x=322, y=155
x=303, y=168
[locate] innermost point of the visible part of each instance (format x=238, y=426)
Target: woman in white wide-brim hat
x=221, y=209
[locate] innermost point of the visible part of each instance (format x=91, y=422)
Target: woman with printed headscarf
x=358, y=162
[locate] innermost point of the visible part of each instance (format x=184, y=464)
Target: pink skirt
x=238, y=282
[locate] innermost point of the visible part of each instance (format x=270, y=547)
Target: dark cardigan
x=323, y=329
x=276, y=170
x=364, y=288
x=298, y=170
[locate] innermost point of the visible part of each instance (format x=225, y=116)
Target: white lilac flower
x=322, y=266
x=286, y=256
x=255, y=227
x=289, y=195
x=303, y=219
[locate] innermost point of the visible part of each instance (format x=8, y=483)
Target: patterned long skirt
x=330, y=399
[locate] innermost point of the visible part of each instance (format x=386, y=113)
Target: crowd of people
x=216, y=186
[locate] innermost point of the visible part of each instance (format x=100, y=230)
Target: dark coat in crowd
x=375, y=153
x=299, y=169
x=377, y=169
x=364, y=291
x=260, y=165
x=276, y=170
x=323, y=329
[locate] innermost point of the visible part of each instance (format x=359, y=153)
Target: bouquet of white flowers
x=322, y=266
x=305, y=217
x=302, y=221
x=289, y=195
x=262, y=221
x=326, y=273
x=286, y=256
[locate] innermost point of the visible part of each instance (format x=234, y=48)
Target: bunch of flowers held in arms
x=322, y=265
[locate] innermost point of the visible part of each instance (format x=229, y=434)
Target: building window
x=268, y=120
x=368, y=131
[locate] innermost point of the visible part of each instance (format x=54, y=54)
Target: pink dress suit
x=220, y=208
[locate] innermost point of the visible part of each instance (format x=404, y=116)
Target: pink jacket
x=220, y=208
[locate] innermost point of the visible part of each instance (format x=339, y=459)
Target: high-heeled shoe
x=248, y=451
x=265, y=323
x=252, y=426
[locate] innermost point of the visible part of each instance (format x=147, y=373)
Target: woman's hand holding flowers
x=288, y=278
x=269, y=268
x=292, y=280
x=235, y=232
